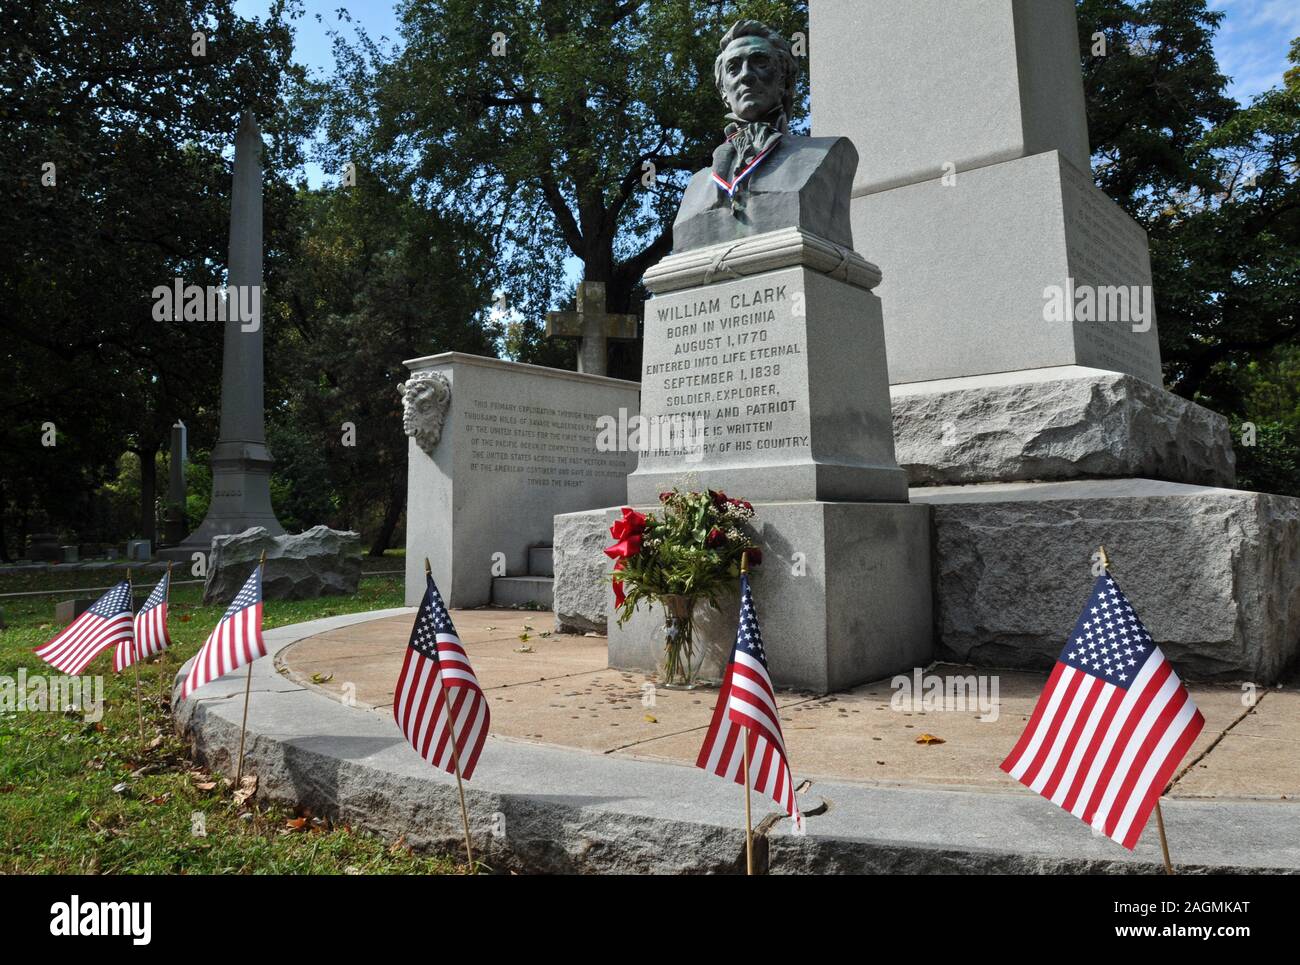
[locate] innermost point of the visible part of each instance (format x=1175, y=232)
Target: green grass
x=80, y=797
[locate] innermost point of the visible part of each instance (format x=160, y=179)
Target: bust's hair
x=781, y=46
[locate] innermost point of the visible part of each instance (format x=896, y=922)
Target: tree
x=115, y=117
x=377, y=279
x=569, y=127
x=1214, y=183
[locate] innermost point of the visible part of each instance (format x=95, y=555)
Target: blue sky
x=1253, y=40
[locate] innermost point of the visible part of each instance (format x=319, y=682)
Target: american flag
x=107, y=622
x=150, y=629
x=234, y=641
x=1112, y=723
x=437, y=672
x=747, y=707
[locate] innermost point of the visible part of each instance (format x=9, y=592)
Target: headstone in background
x=516, y=445
x=299, y=566
x=44, y=548
x=975, y=197
x=174, y=514
x=69, y=554
x=138, y=550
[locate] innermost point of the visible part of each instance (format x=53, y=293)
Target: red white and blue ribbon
x=730, y=187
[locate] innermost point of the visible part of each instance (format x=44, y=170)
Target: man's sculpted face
x=752, y=82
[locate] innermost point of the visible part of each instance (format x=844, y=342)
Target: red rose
x=719, y=497
x=664, y=497
x=755, y=556
x=716, y=538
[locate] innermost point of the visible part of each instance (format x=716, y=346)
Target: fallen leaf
x=207, y=786
x=247, y=788
x=156, y=743
x=161, y=799
x=524, y=637
x=321, y=678
x=296, y=824
x=930, y=739
x=524, y=649
x=185, y=618
x=651, y=719
x=120, y=788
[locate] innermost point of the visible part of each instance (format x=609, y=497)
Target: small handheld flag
x=437, y=674
x=746, y=712
x=236, y=640
x=150, y=629
x=107, y=622
x=1112, y=724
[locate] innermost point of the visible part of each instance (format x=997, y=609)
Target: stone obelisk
x=241, y=462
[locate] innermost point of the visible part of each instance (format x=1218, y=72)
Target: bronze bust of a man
x=764, y=178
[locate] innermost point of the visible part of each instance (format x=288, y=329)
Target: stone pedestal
x=843, y=596
x=764, y=371
x=1214, y=573
x=769, y=351
x=519, y=444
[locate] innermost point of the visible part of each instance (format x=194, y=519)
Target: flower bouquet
x=690, y=551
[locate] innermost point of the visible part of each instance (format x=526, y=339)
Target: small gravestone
x=44, y=547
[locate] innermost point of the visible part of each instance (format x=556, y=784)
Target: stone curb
x=540, y=808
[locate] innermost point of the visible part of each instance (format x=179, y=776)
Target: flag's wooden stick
x=162, y=658
x=1160, y=818
x=248, y=689
x=749, y=823
x=455, y=750
x=135, y=660
x=1164, y=842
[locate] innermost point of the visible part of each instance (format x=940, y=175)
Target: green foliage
x=135, y=127
x=1216, y=185
x=548, y=141
x=378, y=278
x=1272, y=463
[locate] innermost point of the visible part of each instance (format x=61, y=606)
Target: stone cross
x=593, y=325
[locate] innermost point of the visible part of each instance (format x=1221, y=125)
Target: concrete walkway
x=589, y=769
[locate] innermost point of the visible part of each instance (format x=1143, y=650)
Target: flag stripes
x=235, y=641
x=1105, y=749
x=746, y=714
x=437, y=692
x=107, y=622
x=151, y=634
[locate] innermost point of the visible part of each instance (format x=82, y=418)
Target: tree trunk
x=149, y=495
x=392, y=516
x=4, y=543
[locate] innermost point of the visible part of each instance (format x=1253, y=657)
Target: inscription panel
x=724, y=378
